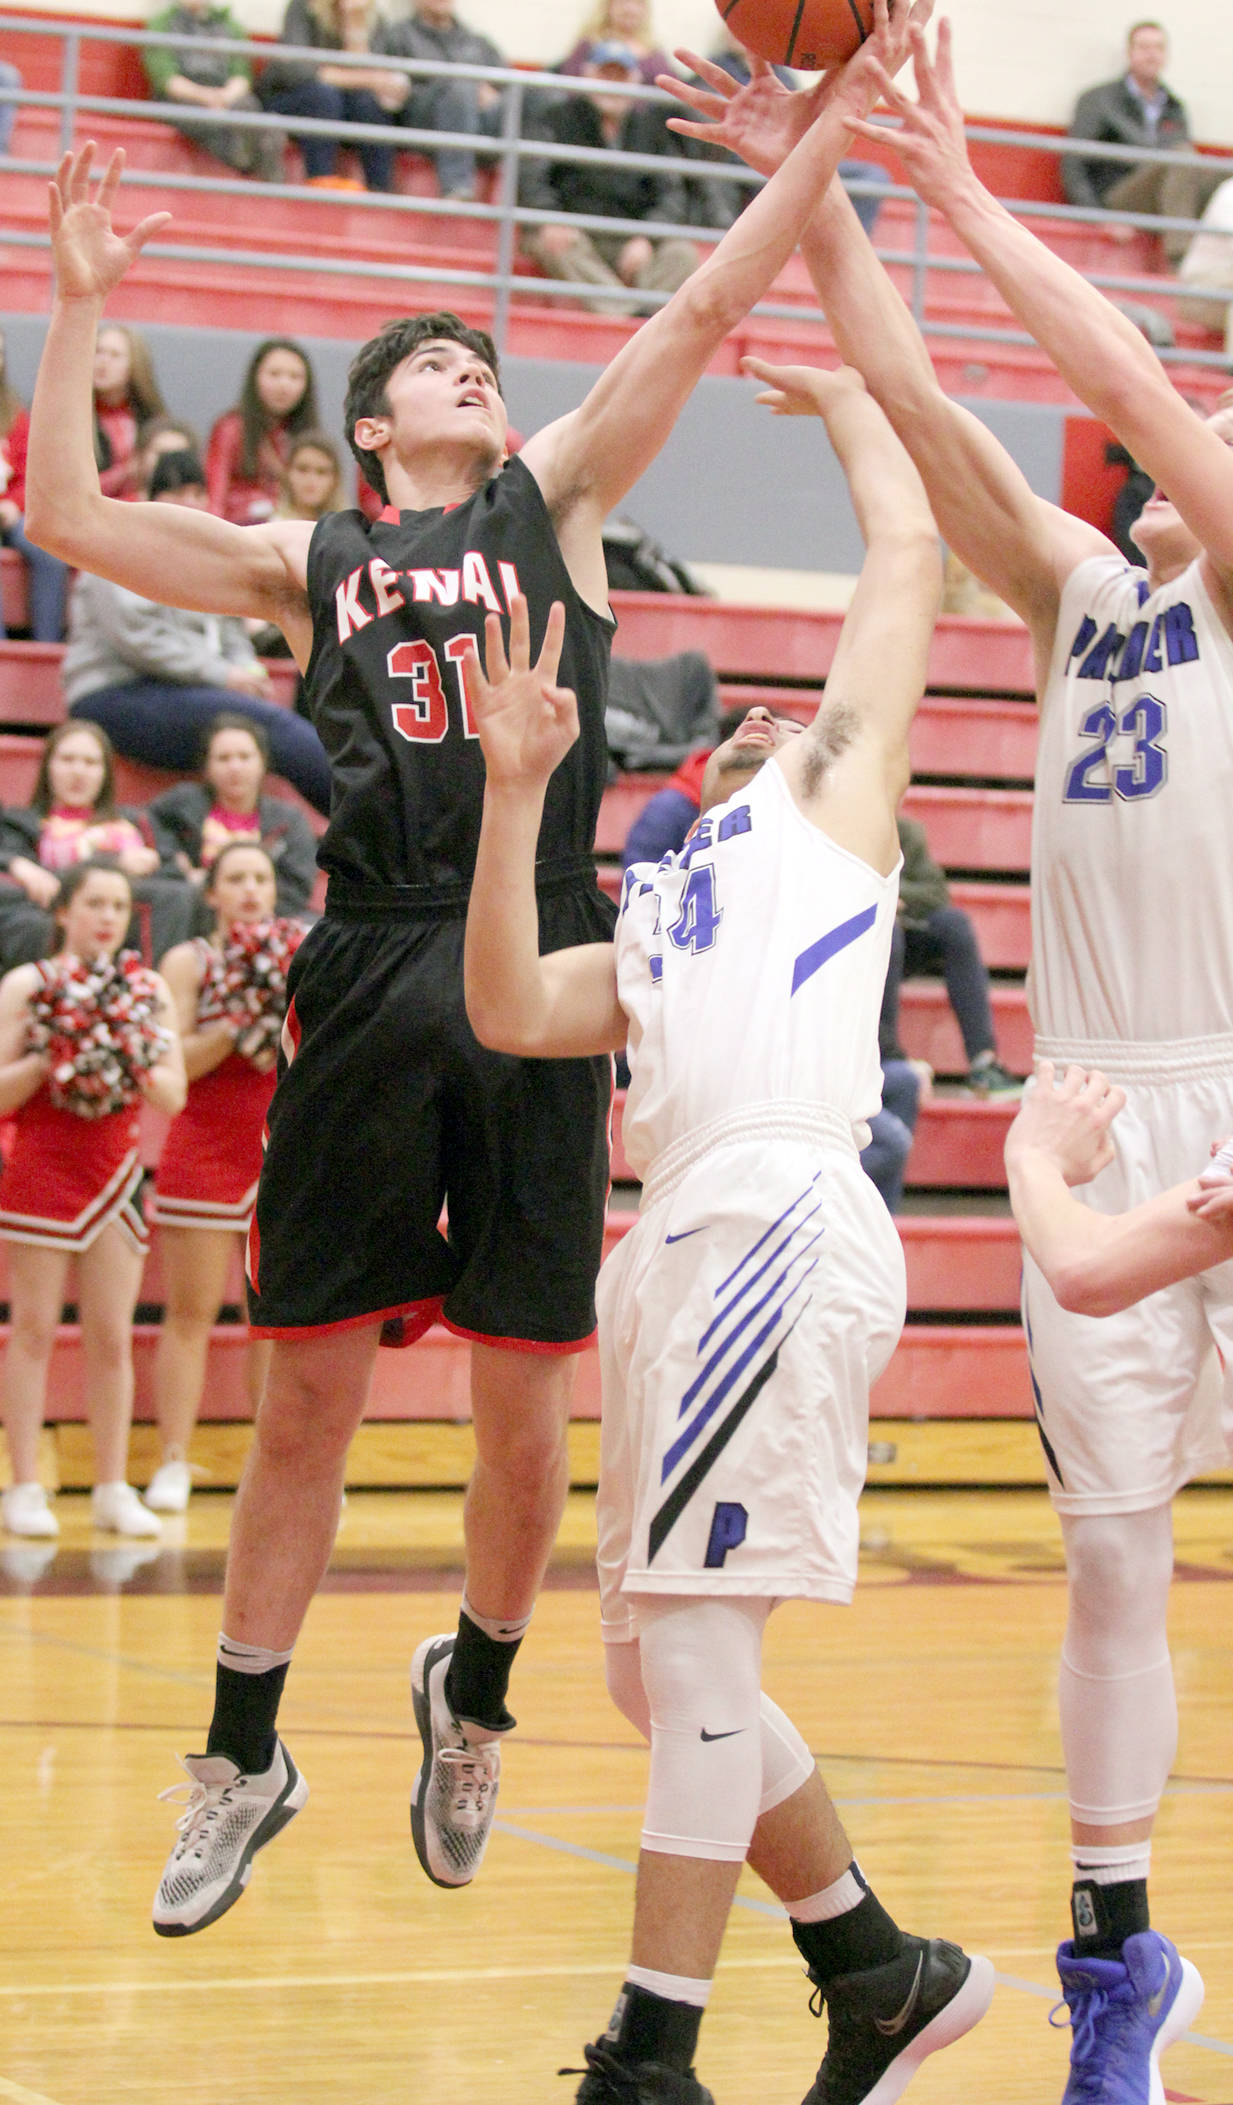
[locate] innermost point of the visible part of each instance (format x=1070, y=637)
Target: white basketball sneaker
x=169, y=1488
x=454, y=1795
x=117, y=1510
x=24, y=1510
x=227, y=1818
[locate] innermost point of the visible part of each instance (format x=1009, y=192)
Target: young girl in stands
x=230, y=994
x=229, y=804
x=625, y=22
x=46, y=575
x=72, y=816
x=126, y=395
x=85, y=1038
x=311, y=483
x=250, y=444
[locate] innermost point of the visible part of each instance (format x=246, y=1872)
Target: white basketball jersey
x=1132, y=831
x=751, y=967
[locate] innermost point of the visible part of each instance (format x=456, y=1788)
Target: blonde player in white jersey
x=761, y=1290
x=1132, y=967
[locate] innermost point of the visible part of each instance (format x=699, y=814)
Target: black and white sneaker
x=227, y=1818
x=609, y=2081
x=885, y=2022
x=454, y=1796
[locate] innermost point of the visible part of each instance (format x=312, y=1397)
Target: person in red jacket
x=126, y=395
x=251, y=444
x=47, y=575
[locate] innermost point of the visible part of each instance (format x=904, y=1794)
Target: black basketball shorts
x=388, y=1110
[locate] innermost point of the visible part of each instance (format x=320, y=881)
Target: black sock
x=1104, y=1916
x=863, y=1937
x=647, y=2027
x=478, y=1675
x=245, y=1716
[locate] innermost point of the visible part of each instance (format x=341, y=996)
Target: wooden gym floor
x=343, y=1975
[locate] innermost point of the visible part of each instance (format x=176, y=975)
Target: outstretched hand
x=526, y=723
x=761, y=119
x=1067, y=1120
x=931, y=143
x=90, y=257
x=1212, y=1197
x=802, y=390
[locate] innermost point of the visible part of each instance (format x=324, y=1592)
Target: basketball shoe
x=1123, y=2014
x=609, y=2081
x=454, y=1796
x=227, y=1818
x=885, y=2021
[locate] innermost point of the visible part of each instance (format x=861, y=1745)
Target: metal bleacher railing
x=505, y=214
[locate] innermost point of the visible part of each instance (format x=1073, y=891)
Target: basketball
x=810, y=34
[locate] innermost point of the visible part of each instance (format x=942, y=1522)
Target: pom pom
x=98, y=1025
x=246, y=982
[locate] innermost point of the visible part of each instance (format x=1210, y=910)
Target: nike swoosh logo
x=734, y=1734
x=1156, y=2002
x=685, y=1234
x=889, y=2026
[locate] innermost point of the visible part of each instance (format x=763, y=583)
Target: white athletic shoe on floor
x=454, y=1795
x=24, y=1510
x=227, y=1818
x=117, y=1510
x=169, y=1488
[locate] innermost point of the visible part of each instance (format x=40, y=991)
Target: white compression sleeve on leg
x=786, y=1760
x=701, y=1669
x=1115, y=1683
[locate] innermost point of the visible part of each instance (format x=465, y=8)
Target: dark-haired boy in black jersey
x=386, y=1107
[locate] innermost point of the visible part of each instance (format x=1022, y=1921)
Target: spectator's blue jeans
x=9, y=78
x=164, y=725
x=315, y=98
x=451, y=106
x=885, y=1159
x=46, y=585
x=947, y=939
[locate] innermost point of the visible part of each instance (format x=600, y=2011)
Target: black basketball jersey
x=394, y=603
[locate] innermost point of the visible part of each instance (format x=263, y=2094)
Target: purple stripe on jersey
x=828, y=946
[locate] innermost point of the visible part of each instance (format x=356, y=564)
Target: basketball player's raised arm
x=985, y=509
x=1101, y=355
x=586, y=462
x=168, y=553
x=562, y=1006
x=1099, y=1263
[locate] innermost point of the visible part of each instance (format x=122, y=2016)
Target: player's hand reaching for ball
x=1067, y=1119
x=931, y=143
x=803, y=390
x=90, y=257
x=526, y=723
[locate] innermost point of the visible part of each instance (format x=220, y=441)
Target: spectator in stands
x=625, y=22
x=155, y=677
x=602, y=119
x=70, y=1188
x=432, y=30
x=158, y=435
x=1209, y=262
x=46, y=575
x=229, y=803
x=929, y=933
x=1138, y=110
x=720, y=202
x=893, y=1129
x=71, y=817
x=249, y=444
x=212, y=80
x=126, y=394
x=311, y=481
x=9, y=78
x=207, y=1175
x=341, y=94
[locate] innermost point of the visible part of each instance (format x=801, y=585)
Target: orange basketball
x=809, y=34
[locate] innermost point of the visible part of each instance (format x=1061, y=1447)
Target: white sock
x=506, y=1630
x=1111, y=1864
x=839, y=1898
x=670, y=1987
x=249, y=1659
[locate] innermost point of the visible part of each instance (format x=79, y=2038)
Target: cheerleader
x=230, y=995
x=85, y=1037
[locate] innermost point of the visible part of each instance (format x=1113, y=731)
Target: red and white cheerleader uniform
x=68, y=1178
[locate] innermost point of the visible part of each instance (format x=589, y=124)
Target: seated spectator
x=432, y=30
x=599, y=119
x=311, y=480
x=249, y=444
x=1139, y=110
x=156, y=677
x=126, y=394
x=625, y=22
x=199, y=819
x=892, y=1130
x=1209, y=262
x=718, y=203
x=9, y=78
x=158, y=435
x=46, y=575
x=930, y=932
x=212, y=80
x=72, y=817
x=341, y=94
